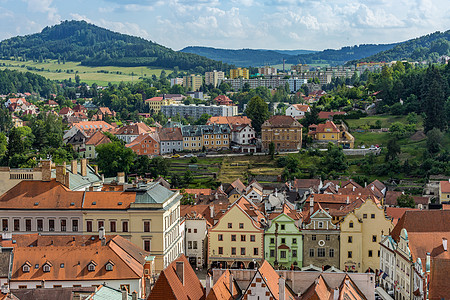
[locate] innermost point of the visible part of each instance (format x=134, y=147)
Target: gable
x=235, y=215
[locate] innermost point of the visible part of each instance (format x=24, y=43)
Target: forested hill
x=96, y=46
x=427, y=47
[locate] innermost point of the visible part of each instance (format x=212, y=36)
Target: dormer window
x=91, y=266
x=26, y=267
x=109, y=266
x=320, y=224
x=46, y=267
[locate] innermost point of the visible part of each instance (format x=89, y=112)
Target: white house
x=297, y=111
x=243, y=134
x=196, y=232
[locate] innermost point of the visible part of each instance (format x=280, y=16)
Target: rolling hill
x=96, y=46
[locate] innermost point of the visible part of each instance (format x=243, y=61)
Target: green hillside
x=95, y=46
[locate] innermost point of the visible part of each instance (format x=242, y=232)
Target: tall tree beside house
x=3, y=146
x=405, y=200
x=5, y=119
x=434, y=99
x=114, y=157
x=258, y=111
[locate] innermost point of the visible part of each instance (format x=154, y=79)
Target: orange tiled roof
x=170, y=134
x=301, y=107
x=287, y=211
x=439, y=283
x=108, y=200
x=329, y=114
x=270, y=276
x=235, y=120
x=322, y=128
x=282, y=121
x=98, y=138
x=155, y=99
x=395, y=213
x=143, y=137
x=221, y=289
x=237, y=184
x=445, y=186
x=169, y=286
x=319, y=289
x=133, y=129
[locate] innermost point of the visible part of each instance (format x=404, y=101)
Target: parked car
x=176, y=156
x=201, y=155
x=189, y=155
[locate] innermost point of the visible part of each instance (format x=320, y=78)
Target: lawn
x=100, y=75
x=370, y=138
x=386, y=121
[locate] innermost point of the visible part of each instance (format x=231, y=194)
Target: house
x=328, y=115
x=177, y=281
x=211, y=137
x=283, y=244
x=297, y=111
x=320, y=289
x=361, y=233
x=284, y=131
x=230, y=120
x=91, y=144
x=17, y=101
x=223, y=100
x=51, y=103
x=224, y=288
x=78, y=141
x=80, y=108
x=329, y=132
x=17, y=122
x=146, y=144
x=89, y=128
x=129, y=132
x=444, y=191
x=171, y=140
x=102, y=113
x=65, y=112
x=321, y=246
x=155, y=104
x=77, y=117
x=56, y=261
x=237, y=240
x=268, y=284
x=244, y=137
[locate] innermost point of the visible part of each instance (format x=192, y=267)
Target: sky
x=237, y=24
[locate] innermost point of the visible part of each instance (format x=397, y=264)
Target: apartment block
x=214, y=78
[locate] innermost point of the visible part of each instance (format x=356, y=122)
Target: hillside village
x=275, y=184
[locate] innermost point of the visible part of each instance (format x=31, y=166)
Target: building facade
x=239, y=73
x=192, y=82
x=284, y=131
x=214, y=78
x=196, y=111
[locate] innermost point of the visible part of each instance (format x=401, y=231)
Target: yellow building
x=361, y=232
x=216, y=136
x=237, y=239
x=155, y=104
x=192, y=82
x=239, y=73
x=329, y=132
x=444, y=191
x=214, y=78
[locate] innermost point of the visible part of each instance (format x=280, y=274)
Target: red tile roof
x=329, y=126
x=282, y=121
x=133, y=129
x=170, y=134
x=169, y=286
x=445, y=186
x=395, y=213
x=330, y=114
x=439, y=283
x=155, y=99
x=221, y=289
x=235, y=120
x=98, y=138
x=301, y=107
x=271, y=278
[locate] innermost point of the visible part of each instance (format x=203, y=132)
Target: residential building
x=284, y=131
x=89, y=128
x=282, y=240
x=91, y=144
x=231, y=121
x=300, y=68
x=244, y=137
x=174, y=81
x=320, y=289
x=174, y=98
x=320, y=240
x=268, y=284
x=223, y=100
x=216, y=136
x=78, y=141
x=329, y=132
x=156, y=103
x=297, y=111
x=195, y=95
x=237, y=239
x=17, y=122
x=146, y=144
x=129, y=132
x=273, y=82
x=361, y=233
x=102, y=113
x=69, y=260
x=196, y=233
x=444, y=191
x=224, y=288
x=196, y=111
x=239, y=73
x=214, y=78
x=65, y=112
x=192, y=138
x=177, y=281
x=192, y=82
x=267, y=71
x=171, y=140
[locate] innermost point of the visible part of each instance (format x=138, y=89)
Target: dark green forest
x=96, y=46
x=20, y=82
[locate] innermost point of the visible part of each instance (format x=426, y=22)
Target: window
x=320, y=224
x=370, y=253
x=91, y=267
x=311, y=252
x=27, y=224
x=230, y=225
x=109, y=266
x=51, y=225
x=378, y=253
x=241, y=225
x=22, y=286
x=255, y=251
x=16, y=225
x=112, y=226
x=63, y=225
x=350, y=239
x=321, y=252
x=74, y=225
x=233, y=238
x=125, y=287
x=331, y=253
x=243, y=238
x=5, y=226
x=46, y=268
x=272, y=240
x=101, y=224
x=233, y=250
x=283, y=241
x=147, y=245
x=26, y=268
x=350, y=224
x=89, y=226
x=195, y=230
x=272, y=253
x=282, y=254
x=374, y=238
x=220, y=237
x=242, y=251
x=283, y=227
x=124, y=226
x=189, y=230
x=349, y=254
x=221, y=250
x=252, y=238
x=146, y=226
x=294, y=253
x=372, y=216
x=327, y=237
x=189, y=244
x=194, y=245
x=364, y=216
x=313, y=237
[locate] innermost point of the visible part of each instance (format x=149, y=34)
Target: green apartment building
x=283, y=245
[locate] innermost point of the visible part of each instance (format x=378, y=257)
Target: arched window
x=26, y=268
x=109, y=267
x=46, y=268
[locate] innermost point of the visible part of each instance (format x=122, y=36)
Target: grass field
x=100, y=75
x=386, y=121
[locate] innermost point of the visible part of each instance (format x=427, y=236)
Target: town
x=287, y=182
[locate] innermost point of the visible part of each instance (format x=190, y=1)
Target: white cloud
x=44, y=6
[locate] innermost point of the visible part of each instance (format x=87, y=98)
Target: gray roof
x=6, y=263
x=107, y=293
x=198, y=130
x=153, y=193
x=76, y=181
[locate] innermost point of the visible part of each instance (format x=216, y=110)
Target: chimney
x=46, y=170
x=311, y=204
x=231, y=283
x=208, y=284
x=348, y=200
x=120, y=177
x=354, y=188
x=134, y=296
x=281, y=288
x=180, y=271
x=211, y=211
x=125, y=294
x=74, y=167
x=336, y=293
x=101, y=235
x=84, y=167
x=428, y=263
x=276, y=192
x=96, y=169
x=444, y=244
x=372, y=187
x=61, y=173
